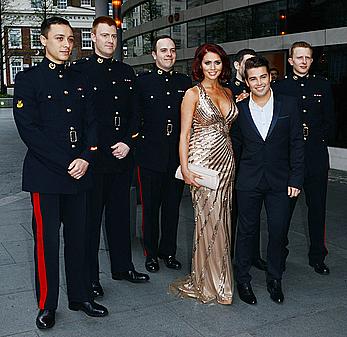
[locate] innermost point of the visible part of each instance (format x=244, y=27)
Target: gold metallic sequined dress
x=210, y=146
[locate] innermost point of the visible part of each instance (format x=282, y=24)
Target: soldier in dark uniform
x=113, y=86
x=160, y=96
x=54, y=114
x=316, y=104
x=240, y=90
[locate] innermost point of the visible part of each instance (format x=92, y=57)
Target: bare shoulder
x=192, y=94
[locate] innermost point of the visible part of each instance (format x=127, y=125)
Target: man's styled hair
x=103, y=19
x=161, y=37
x=256, y=62
x=241, y=53
x=302, y=44
x=198, y=74
x=275, y=69
x=54, y=20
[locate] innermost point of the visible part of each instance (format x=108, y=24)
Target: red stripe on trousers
x=40, y=251
x=142, y=205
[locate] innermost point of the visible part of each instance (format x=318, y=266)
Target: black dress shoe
x=90, y=308
x=246, y=293
x=152, y=264
x=131, y=276
x=275, y=290
x=320, y=268
x=45, y=319
x=171, y=262
x=97, y=290
x=260, y=264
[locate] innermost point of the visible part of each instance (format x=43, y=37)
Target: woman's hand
x=189, y=177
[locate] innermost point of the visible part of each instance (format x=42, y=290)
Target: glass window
x=62, y=4
x=36, y=3
x=196, y=33
x=239, y=24
x=35, y=60
x=216, y=28
x=35, y=42
x=16, y=65
x=86, y=39
x=86, y=2
x=15, y=38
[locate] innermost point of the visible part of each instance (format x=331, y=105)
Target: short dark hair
x=161, y=37
x=103, y=19
x=200, y=52
x=298, y=44
x=54, y=20
x=241, y=53
x=274, y=69
x=256, y=62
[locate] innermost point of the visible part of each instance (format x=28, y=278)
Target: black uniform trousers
x=277, y=210
x=49, y=210
x=111, y=191
x=315, y=188
x=163, y=191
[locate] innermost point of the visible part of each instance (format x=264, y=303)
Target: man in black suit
x=55, y=116
x=113, y=87
x=159, y=103
x=240, y=90
x=269, y=148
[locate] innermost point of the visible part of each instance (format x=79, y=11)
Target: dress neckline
x=213, y=103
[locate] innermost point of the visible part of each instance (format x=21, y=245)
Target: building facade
x=269, y=27
x=21, y=30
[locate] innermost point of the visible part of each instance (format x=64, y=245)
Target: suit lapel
x=276, y=112
x=247, y=113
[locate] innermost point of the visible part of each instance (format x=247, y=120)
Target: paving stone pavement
x=315, y=305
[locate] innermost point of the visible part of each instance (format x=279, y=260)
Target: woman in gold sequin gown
x=209, y=110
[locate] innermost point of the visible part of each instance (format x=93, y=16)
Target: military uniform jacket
x=113, y=84
x=237, y=87
x=158, y=109
x=54, y=114
x=316, y=105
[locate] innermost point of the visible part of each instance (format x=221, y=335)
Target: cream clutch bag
x=209, y=177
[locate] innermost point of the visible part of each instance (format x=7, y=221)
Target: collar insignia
x=99, y=60
x=237, y=83
x=295, y=77
x=160, y=72
x=51, y=65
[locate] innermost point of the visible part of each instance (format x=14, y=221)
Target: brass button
x=61, y=76
x=168, y=93
x=95, y=88
x=68, y=110
x=115, y=97
x=66, y=92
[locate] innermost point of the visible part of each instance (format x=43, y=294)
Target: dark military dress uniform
x=113, y=85
x=159, y=103
x=316, y=105
x=237, y=87
x=54, y=114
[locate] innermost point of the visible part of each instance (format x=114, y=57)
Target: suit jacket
x=280, y=157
